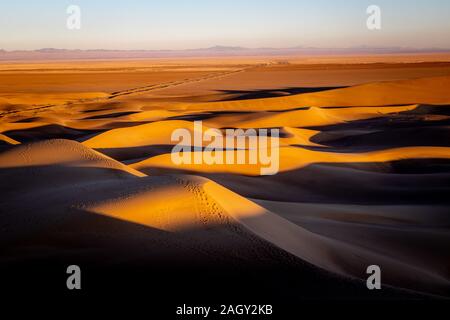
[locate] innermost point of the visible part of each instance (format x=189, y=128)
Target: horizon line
x=230, y=48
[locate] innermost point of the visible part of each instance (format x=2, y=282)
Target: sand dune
x=198, y=203
x=364, y=170
x=7, y=140
x=340, y=256
x=137, y=136
x=292, y=158
x=59, y=152
x=425, y=90
x=309, y=117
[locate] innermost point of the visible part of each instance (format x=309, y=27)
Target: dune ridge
x=292, y=158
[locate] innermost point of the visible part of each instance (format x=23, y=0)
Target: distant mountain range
x=216, y=51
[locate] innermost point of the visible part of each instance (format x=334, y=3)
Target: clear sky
x=181, y=24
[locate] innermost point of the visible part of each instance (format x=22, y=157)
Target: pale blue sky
x=180, y=24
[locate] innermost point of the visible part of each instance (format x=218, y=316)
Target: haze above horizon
x=182, y=24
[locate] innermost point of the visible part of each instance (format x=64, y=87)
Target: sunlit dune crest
x=292, y=158
x=59, y=152
x=191, y=206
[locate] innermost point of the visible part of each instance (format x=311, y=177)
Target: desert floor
x=87, y=178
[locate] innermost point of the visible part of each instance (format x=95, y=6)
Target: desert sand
x=364, y=167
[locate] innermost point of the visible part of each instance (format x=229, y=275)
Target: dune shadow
x=421, y=116
x=117, y=256
x=411, y=181
x=425, y=125
x=111, y=115
x=198, y=116
x=373, y=140
x=271, y=93
x=134, y=154
x=50, y=131
x=423, y=109
x=56, y=131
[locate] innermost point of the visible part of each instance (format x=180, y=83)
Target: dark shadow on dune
x=134, y=154
x=5, y=146
x=375, y=106
x=426, y=125
x=336, y=107
x=373, y=140
x=421, y=116
x=120, y=258
x=101, y=107
x=56, y=131
x=207, y=115
x=111, y=115
x=51, y=131
x=287, y=110
x=25, y=179
x=430, y=109
x=271, y=93
x=27, y=120
x=412, y=181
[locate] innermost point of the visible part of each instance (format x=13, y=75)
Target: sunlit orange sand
x=363, y=174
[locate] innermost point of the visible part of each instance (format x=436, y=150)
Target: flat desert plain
x=364, y=176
